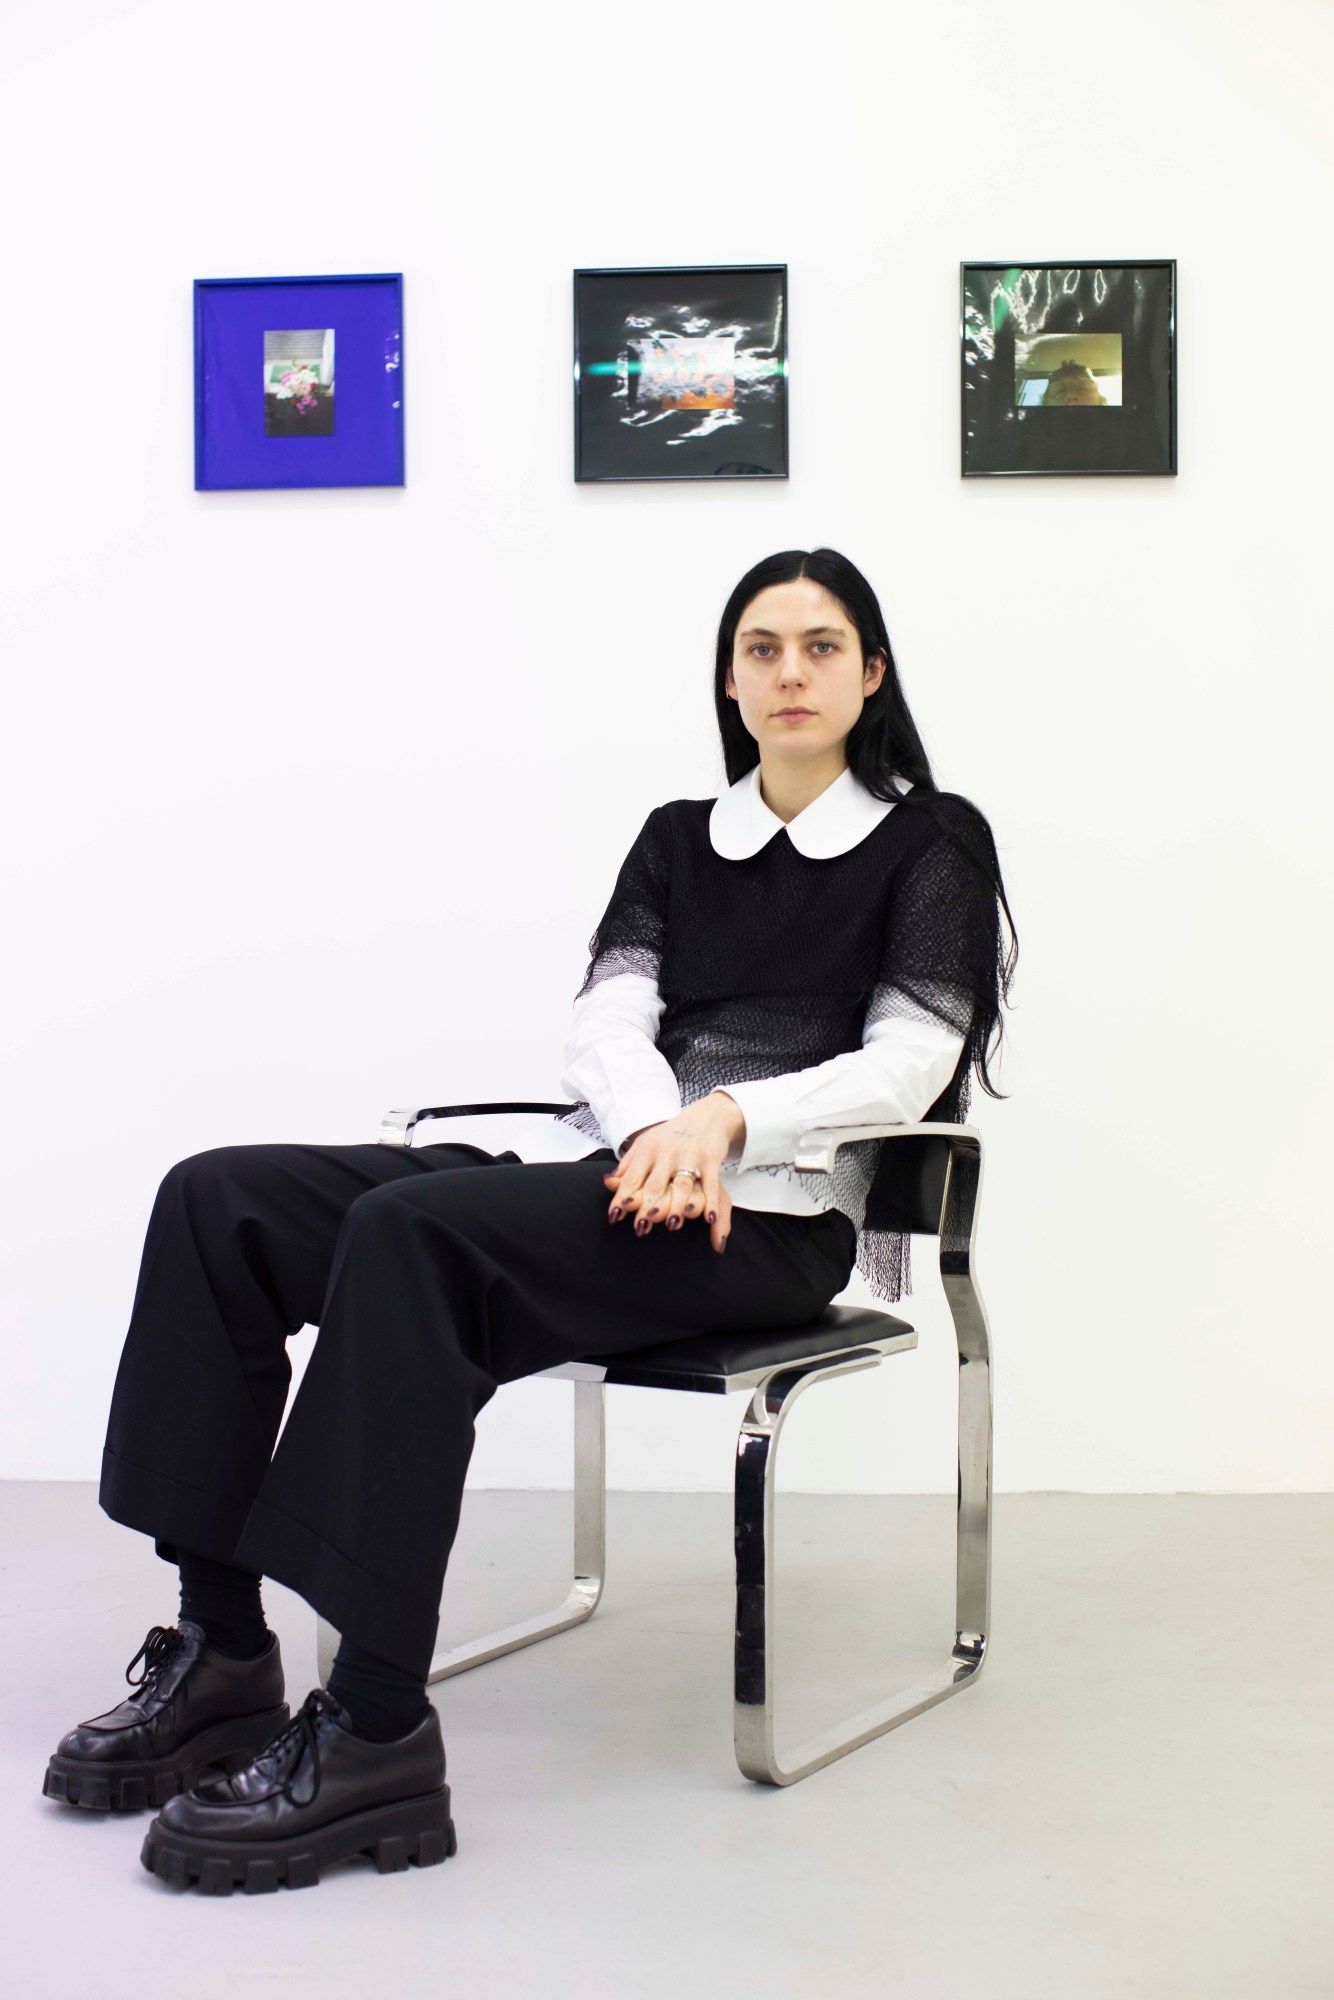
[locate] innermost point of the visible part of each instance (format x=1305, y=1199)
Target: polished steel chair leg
x=753, y=1710
x=590, y=1545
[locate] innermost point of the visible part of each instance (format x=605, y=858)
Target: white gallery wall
x=312, y=800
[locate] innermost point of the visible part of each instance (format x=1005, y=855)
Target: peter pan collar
x=740, y=822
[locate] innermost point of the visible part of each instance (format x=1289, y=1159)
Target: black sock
x=225, y=1601
x=382, y=1700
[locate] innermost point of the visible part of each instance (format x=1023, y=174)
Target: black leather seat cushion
x=704, y=1361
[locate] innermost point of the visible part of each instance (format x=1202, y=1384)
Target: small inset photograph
x=680, y=371
x=1074, y=369
x=299, y=383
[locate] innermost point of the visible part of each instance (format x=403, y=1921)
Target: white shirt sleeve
x=612, y=1059
x=897, y=1074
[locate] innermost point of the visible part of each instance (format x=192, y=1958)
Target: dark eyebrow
x=813, y=632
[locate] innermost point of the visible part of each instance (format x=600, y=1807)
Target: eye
x=825, y=642
x=762, y=646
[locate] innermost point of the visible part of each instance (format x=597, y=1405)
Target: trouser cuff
x=177, y=1516
x=383, y=1618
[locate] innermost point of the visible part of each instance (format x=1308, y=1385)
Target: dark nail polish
x=616, y=1214
x=641, y=1227
x=673, y=1222
x=713, y=1215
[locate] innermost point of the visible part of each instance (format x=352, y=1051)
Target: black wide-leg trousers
x=433, y=1273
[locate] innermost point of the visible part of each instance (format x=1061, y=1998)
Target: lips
x=796, y=711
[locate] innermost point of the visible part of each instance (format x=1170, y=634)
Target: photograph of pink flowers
x=269, y=409
x=299, y=383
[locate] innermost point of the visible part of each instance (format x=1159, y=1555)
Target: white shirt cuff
x=892, y=1080
x=612, y=1060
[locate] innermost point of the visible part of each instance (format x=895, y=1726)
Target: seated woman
x=819, y=946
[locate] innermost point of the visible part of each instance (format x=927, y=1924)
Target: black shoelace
x=162, y=1644
x=298, y=1735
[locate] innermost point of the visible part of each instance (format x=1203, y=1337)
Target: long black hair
x=882, y=745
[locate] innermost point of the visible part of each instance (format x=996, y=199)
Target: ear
x=874, y=667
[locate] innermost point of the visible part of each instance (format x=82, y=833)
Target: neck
x=788, y=786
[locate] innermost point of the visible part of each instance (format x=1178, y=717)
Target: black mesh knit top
x=777, y=962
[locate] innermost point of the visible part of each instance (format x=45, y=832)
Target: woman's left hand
x=701, y=1135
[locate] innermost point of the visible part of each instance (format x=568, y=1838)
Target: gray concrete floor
x=1134, y=1799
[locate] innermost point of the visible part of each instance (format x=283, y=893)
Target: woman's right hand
x=642, y=1186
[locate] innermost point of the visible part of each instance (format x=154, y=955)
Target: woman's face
x=797, y=649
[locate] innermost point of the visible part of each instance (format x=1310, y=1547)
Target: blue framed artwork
x=299, y=381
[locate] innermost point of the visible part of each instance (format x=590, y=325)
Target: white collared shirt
x=612, y=1060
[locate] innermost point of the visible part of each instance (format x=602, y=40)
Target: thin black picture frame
x=584, y=472
x=1143, y=436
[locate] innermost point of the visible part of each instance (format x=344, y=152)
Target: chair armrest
x=914, y=1190
x=815, y=1153
x=396, y=1127
x=928, y=1184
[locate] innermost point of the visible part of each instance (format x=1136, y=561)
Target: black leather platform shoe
x=192, y=1708
x=313, y=1795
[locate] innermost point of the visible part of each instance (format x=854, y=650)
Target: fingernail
x=673, y=1222
x=617, y=1213
x=713, y=1215
x=641, y=1227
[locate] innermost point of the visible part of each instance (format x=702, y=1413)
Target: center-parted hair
x=883, y=742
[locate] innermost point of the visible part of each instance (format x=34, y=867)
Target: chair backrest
x=909, y=1185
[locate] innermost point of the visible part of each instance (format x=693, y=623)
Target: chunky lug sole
x=419, y=1830
x=127, y=1785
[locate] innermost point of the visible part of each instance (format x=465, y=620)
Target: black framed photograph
x=299, y=381
x=680, y=372
x=1068, y=368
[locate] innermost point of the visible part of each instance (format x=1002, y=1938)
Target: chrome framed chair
x=929, y=1183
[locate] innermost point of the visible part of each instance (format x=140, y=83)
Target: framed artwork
x=1068, y=367
x=299, y=381
x=680, y=372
